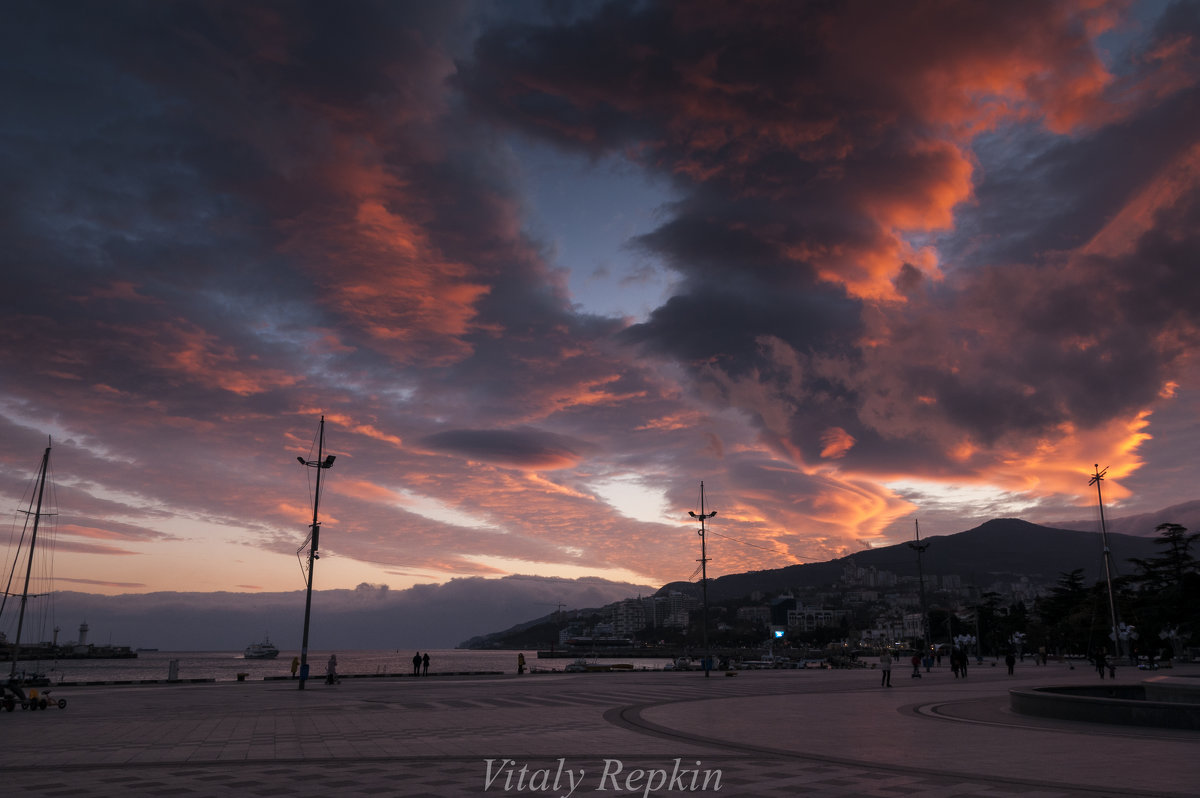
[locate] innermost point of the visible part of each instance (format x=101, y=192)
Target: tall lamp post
x=704, y=577
x=920, y=547
x=321, y=463
x=1096, y=479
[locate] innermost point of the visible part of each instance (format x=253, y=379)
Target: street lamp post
x=321, y=463
x=920, y=547
x=1096, y=479
x=704, y=578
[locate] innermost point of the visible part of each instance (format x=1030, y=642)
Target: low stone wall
x=1125, y=705
x=1175, y=689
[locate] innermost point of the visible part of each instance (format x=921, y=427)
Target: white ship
x=263, y=650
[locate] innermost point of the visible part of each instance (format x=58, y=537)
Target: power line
x=765, y=548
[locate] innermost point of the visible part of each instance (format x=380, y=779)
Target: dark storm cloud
x=811, y=179
x=527, y=448
x=229, y=215
x=225, y=220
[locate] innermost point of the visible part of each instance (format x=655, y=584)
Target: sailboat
x=14, y=689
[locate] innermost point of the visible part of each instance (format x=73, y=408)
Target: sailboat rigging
x=14, y=688
x=34, y=516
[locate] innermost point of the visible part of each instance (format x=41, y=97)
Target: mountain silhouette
x=1003, y=549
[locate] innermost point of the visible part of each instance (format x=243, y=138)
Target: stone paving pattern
x=811, y=733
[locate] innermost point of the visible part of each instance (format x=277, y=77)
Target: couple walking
x=420, y=662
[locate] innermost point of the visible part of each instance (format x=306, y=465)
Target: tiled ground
x=812, y=734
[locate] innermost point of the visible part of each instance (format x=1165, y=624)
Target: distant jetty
x=49, y=651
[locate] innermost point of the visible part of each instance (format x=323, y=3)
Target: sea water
x=226, y=665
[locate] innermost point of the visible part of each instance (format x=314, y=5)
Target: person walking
x=520, y=664
x=1100, y=663
x=295, y=666
x=331, y=670
x=417, y=664
x=885, y=664
x=916, y=663
x=425, y=663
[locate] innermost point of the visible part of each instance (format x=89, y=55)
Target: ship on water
x=263, y=650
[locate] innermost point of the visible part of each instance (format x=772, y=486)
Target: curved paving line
x=630, y=718
x=940, y=710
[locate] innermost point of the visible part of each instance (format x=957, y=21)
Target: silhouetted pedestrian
x=520, y=664
x=331, y=670
x=1010, y=659
x=417, y=664
x=1100, y=663
x=916, y=663
x=885, y=663
x=295, y=665
x=425, y=663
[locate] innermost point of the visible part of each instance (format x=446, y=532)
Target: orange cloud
x=836, y=442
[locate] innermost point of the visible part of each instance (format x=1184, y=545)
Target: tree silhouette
x=1168, y=586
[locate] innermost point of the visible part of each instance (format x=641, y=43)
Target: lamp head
x=328, y=461
x=302, y=462
x=693, y=515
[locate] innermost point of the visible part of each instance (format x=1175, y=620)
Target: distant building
x=629, y=617
x=914, y=624
x=760, y=615
x=809, y=619
x=673, y=610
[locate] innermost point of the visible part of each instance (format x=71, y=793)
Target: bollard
x=173, y=671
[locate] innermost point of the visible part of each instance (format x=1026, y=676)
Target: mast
x=704, y=577
x=920, y=547
x=320, y=464
x=1096, y=479
x=37, y=514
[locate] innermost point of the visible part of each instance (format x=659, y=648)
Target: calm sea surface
x=226, y=665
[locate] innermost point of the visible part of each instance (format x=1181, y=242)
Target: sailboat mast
x=37, y=514
x=1097, y=477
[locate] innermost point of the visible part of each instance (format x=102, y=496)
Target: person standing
x=425, y=663
x=295, y=665
x=1100, y=663
x=331, y=670
x=1010, y=659
x=520, y=664
x=417, y=664
x=916, y=663
x=885, y=664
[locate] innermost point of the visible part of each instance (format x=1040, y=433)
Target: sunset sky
x=545, y=267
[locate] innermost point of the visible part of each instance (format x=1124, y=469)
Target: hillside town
x=868, y=608
x=1149, y=609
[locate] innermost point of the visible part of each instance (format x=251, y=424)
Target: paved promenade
x=762, y=733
